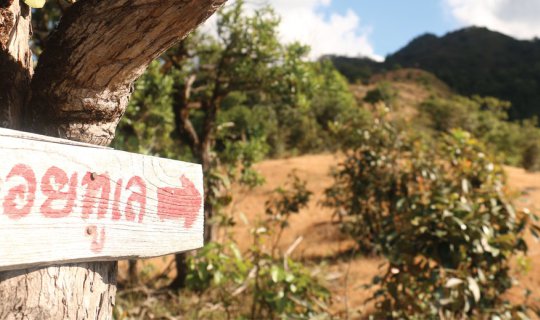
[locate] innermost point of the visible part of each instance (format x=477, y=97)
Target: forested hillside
x=471, y=61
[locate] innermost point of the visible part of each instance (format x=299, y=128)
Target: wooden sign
x=63, y=201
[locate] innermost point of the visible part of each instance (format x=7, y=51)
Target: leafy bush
x=260, y=283
x=224, y=282
x=149, y=120
x=229, y=99
x=531, y=157
x=377, y=155
x=439, y=214
x=486, y=118
x=239, y=84
x=382, y=93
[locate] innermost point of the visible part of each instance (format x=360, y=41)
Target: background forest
x=417, y=184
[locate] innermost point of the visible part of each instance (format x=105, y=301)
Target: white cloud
x=330, y=33
x=518, y=18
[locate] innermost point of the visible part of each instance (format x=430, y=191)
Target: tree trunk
x=201, y=148
x=80, y=91
x=78, y=291
x=85, y=74
x=15, y=61
x=181, y=271
x=133, y=273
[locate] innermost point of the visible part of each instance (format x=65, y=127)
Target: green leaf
x=523, y=316
x=474, y=288
x=274, y=273
x=465, y=186
x=236, y=251
x=35, y=3
x=462, y=225
x=218, y=277
x=289, y=277
x=451, y=283
x=293, y=288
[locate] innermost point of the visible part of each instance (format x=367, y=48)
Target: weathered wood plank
x=66, y=202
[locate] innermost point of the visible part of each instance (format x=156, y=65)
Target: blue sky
x=393, y=23
x=375, y=28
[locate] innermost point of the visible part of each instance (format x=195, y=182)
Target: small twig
x=346, y=284
x=215, y=306
x=290, y=250
x=293, y=247
x=143, y=313
x=305, y=305
x=244, y=286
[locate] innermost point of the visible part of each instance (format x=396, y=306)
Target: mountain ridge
x=472, y=61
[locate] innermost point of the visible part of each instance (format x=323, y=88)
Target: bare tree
x=79, y=91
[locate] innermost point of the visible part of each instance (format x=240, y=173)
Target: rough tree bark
x=80, y=91
x=15, y=61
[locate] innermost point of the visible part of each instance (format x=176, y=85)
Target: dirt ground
x=526, y=186
x=322, y=242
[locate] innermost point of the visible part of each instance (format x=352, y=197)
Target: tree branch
x=181, y=110
x=85, y=74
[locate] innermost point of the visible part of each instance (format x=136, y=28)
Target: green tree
x=208, y=71
x=382, y=93
x=437, y=211
x=149, y=120
x=236, y=97
x=531, y=157
x=486, y=118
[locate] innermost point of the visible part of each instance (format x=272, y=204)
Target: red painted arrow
x=177, y=203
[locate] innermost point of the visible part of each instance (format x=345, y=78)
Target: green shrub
x=224, y=282
x=531, y=157
x=382, y=93
x=261, y=283
x=438, y=213
x=377, y=155
x=486, y=118
x=447, y=114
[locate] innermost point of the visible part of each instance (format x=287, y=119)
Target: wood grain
x=61, y=202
